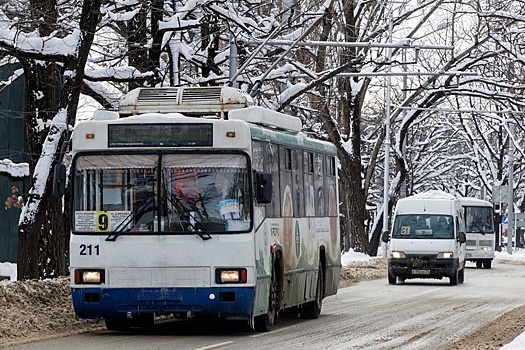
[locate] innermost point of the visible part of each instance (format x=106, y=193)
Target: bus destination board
x=160, y=135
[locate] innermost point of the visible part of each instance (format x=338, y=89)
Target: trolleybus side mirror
x=385, y=237
x=263, y=187
x=59, y=180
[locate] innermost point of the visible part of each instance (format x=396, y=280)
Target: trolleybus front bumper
x=225, y=302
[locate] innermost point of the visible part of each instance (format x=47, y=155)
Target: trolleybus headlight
x=445, y=255
x=90, y=276
x=230, y=276
x=398, y=255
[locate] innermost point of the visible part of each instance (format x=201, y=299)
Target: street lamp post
x=387, y=131
x=510, y=217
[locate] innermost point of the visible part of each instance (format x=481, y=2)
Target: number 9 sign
x=102, y=221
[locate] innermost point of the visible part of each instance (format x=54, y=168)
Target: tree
x=123, y=45
x=368, y=23
x=49, y=53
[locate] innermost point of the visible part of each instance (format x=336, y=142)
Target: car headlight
x=488, y=249
x=89, y=276
x=231, y=276
x=445, y=255
x=397, y=255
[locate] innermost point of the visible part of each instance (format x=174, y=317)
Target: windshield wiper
x=138, y=213
x=478, y=228
x=190, y=209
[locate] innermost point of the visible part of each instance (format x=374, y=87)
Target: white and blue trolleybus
x=481, y=237
x=194, y=202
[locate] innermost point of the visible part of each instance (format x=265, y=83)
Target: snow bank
x=8, y=269
x=433, y=194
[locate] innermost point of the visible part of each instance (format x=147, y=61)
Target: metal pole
x=461, y=110
x=403, y=192
x=233, y=61
x=403, y=73
x=510, y=217
x=387, y=131
x=402, y=44
x=256, y=51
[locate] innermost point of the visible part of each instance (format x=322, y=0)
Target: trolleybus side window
x=272, y=152
x=287, y=187
x=298, y=193
x=309, y=189
x=259, y=156
x=319, y=169
x=331, y=180
x=331, y=166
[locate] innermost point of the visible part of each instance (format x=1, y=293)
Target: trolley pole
x=233, y=61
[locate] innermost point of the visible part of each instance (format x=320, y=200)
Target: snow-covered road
x=420, y=314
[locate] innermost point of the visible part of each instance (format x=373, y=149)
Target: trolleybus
x=194, y=202
x=479, y=222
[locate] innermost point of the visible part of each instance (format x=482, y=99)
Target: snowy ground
x=37, y=310
x=518, y=257
x=8, y=270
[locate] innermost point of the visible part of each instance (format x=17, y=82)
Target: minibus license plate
x=420, y=272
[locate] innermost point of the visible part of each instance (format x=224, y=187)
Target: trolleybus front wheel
x=263, y=323
x=312, y=309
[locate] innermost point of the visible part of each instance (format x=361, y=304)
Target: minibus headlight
x=230, y=276
x=89, y=276
x=398, y=255
x=445, y=255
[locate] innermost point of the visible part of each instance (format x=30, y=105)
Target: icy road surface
x=419, y=314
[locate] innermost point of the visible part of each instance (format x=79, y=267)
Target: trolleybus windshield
x=479, y=219
x=168, y=193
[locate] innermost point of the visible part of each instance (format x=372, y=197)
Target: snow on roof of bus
x=433, y=194
x=152, y=117
x=470, y=201
x=105, y=115
x=267, y=117
x=158, y=115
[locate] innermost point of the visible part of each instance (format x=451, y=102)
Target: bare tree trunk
x=354, y=203
x=41, y=80
x=139, y=55
x=43, y=235
x=353, y=233
x=351, y=176
x=137, y=42
x=402, y=174
x=347, y=238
